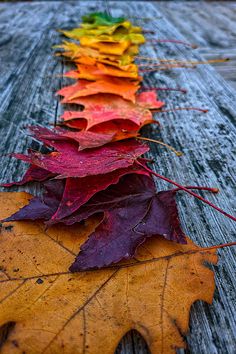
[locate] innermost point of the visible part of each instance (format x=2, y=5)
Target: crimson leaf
x=69, y=162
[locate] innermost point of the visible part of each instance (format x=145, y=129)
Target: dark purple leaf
x=34, y=173
x=128, y=222
x=41, y=208
x=79, y=190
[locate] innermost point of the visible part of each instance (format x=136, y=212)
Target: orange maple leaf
x=100, y=109
x=101, y=71
x=125, y=88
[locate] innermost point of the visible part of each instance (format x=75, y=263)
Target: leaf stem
x=218, y=246
x=141, y=57
x=180, y=109
x=209, y=189
x=179, y=64
x=189, y=192
x=164, y=89
x=194, y=46
x=164, y=67
x=187, y=62
x=145, y=18
x=177, y=153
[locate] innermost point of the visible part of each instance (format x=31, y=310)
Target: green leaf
x=100, y=19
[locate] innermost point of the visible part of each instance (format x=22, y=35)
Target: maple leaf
x=78, y=191
x=42, y=208
x=89, y=139
x=114, y=44
x=67, y=161
x=94, y=19
x=85, y=71
x=133, y=211
x=103, y=108
x=91, y=56
x=118, y=72
x=86, y=139
x=100, y=71
x=123, y=62
x=107, y=47
x=70, y=196
x=125, y=88
x=34, y=173
x=115, y=39
x=105, y=118
x=89, y=312
x=111, y=116
x=85, y=30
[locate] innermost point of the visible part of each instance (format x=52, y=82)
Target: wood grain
x=210, y=25
x=29, y=79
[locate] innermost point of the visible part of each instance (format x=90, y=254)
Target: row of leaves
x=95, y=165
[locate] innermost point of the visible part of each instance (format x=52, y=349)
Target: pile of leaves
x=95, y=163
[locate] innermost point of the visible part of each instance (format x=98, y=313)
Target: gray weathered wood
x=29, y=78
x=211, y=26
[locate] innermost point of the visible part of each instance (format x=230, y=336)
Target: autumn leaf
x=133, y=212
x=117, y=32
x=105, y=118
x=122, y=39
x=89, y=312
x=118, y=72
x=67, y=161
x=106, y=47
x=112, y=131
x=33, y=174
x=123, y=62
x=86, y=139
x=71, y=194
x=95, y=19
x=87, y=72
x=99, y=109
x=113, y=41
x=125, y=88
x=42, y=208
x=78, y=191
x=100, y=72
x=124, y=27
x=110, y=117
x=90, y=56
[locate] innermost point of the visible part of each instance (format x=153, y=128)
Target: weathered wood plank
x=29, y=79
x=210, y=25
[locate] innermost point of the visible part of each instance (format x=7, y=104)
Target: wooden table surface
x=29, y=78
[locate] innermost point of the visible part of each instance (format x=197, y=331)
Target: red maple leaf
x=67, y=161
